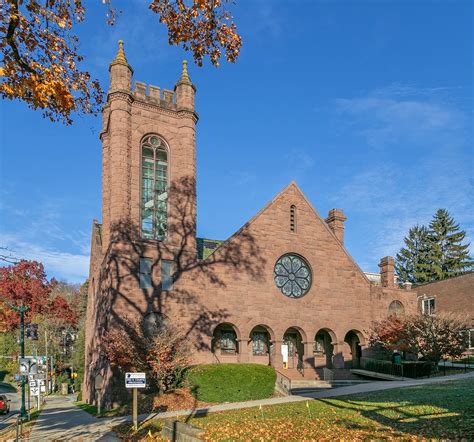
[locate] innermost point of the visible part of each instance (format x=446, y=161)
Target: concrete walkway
x=61, y=420
x=341, y=391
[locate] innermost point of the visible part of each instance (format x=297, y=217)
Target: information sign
x=135, y=380
x=32, y=383
x=34, y=391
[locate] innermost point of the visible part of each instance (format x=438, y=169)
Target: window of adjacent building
x=154, y=188
x=145, y=273
x=293, y=219
x=428, y=306
x=396, y=308
x=471, y=338
x=166, y=275
x=228, y=342
x=259, y=343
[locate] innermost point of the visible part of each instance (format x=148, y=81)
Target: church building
x=281, y=291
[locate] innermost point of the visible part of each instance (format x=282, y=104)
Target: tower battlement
x=153, y=94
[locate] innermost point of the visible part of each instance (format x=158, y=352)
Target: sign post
x=135, y=381
x=98, y=383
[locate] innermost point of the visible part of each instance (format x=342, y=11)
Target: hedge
x=231, y=382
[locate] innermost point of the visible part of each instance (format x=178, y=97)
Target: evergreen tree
x=412, y=261
x=448, y=255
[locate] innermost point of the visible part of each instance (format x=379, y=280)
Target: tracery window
x=154, y=191
x=228, y=342
x=259, y=343
x=292, y=275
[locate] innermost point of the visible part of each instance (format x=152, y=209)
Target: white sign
x=43, y=388
x=32, y=383
x=41, y=382
x=34, y=391
x=284, y=352
x=135, y=380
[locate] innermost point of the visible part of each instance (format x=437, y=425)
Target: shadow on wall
x=119, y=295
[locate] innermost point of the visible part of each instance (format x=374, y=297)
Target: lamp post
x=22, y=310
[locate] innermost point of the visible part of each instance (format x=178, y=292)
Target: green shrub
x=231, y=382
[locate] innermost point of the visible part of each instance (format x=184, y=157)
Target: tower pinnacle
x=120, y=57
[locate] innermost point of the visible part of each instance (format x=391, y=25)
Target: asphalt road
x=6, y=419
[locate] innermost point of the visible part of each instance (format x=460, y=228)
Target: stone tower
x=130, y=116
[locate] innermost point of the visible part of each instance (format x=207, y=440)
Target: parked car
x=4, y=404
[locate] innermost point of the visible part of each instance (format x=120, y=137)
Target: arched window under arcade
x=154, y=188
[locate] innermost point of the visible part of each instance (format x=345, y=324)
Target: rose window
x=292, y=276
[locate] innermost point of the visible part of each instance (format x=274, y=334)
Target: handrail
x=280, y=378
x=328, y=374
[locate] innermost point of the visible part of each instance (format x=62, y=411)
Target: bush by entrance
x=231, y=382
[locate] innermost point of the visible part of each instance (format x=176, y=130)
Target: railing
x=409, y=369
x=328, y=374
x=300, y=366
x=284, y=382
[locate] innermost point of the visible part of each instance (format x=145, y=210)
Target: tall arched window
x=154, y=198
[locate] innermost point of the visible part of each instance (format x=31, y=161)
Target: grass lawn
x=444, y=411
x=231, y=382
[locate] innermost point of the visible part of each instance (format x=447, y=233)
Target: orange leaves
x=40, y=59
x=205, y=28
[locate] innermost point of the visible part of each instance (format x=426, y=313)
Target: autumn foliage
x=25, y=283
x=431, y=337
x=40, y=59
x=204, y=27
x=162, y=353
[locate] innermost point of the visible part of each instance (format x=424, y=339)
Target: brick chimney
x=387, y=271
x=335, y=221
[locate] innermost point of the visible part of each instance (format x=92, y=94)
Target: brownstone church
x=282, y=290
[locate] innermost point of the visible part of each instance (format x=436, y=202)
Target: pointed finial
x=184, y=73
x=120, y=57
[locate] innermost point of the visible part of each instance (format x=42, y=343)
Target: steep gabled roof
x=323, y=222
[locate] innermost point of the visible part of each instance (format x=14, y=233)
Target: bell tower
x=149, y=160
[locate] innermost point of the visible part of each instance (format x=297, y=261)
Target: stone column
x=338, y=357
x=276, y=357
x=243, y=350
x=308, y=356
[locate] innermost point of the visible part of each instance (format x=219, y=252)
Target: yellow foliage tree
x=40, y=56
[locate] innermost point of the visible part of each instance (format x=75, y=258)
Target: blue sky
x=367, y=105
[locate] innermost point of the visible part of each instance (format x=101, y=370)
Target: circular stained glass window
x=292, y=275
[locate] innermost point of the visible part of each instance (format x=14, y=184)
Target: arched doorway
x=323, y=348
x=260, y=343
x=225, y=342
x=294, y=349
x=353, y=340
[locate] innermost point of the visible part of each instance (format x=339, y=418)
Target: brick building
x=281, y=290
x=453, y=295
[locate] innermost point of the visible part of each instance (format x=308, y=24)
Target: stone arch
x=323, y=350
x=294, y=338
x=260, y=344
x=396, y=308
x=225, y=339
x=354, y=340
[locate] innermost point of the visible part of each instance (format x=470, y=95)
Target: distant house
x=454, y=295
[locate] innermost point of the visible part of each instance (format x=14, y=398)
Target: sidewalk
x=61, y=420
x=341, y=391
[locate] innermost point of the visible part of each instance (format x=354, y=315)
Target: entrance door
x=295, y=353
